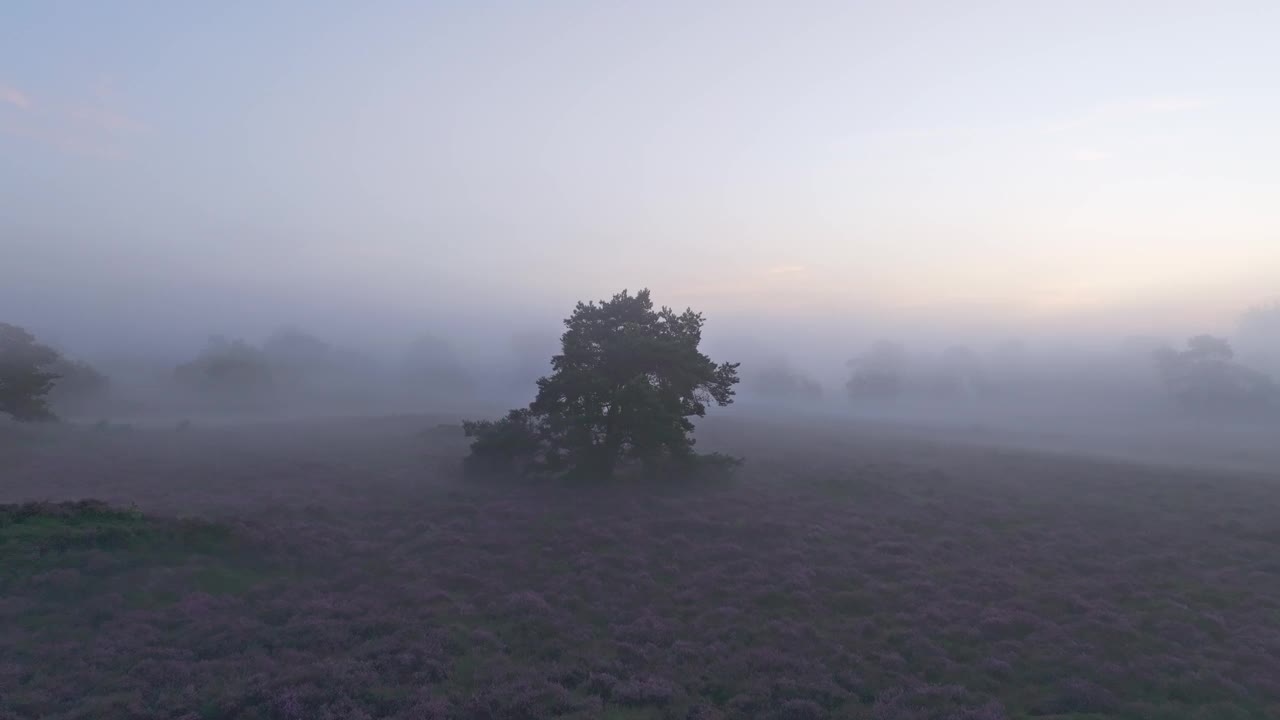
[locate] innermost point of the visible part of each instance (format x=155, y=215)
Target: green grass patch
x=73, y=552
x=45, y=529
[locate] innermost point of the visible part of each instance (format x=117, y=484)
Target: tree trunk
x=612, y=441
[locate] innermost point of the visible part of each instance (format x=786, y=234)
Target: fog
x=1094, y=393
x=420, y=195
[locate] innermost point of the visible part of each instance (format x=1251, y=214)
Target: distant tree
x=1203, y=378
x=954, y=373
x=431, y=367
x=27, y=374
x=622, y=389
x=79, y=388
x=299, y=363
x=878, y=374
x=1141, y=346
x=1208, y=348
x=1258, y=336
x=779, y=381
x=531, y=357
x=289, y=347
x=1007, y=368
x=972, y=370
x=233, y=371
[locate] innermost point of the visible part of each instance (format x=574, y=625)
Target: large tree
x=623, y=388
x=26, y=374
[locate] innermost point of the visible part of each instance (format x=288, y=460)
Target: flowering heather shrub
x=526, y=699
x=800, y=710
x=704, y=711
x=1077, y=695
x=646, y=690
x=926, y=702
x=874, y=587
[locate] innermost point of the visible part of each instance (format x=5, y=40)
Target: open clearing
x=342, y=569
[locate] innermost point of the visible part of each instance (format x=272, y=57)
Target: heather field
x=344, y=569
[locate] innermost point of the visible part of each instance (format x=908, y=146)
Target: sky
x=168, y=170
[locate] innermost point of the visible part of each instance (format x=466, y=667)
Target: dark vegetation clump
x=621, y=392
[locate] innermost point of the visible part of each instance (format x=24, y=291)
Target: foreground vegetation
x=907, y=582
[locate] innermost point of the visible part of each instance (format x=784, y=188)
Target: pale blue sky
x=1077, y=163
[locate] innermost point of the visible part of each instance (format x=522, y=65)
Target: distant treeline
x=293, y=369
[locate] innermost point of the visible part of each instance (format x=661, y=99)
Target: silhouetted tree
x=1203, y=379
x=878, y=373
x=26, y=374
x=623, y=388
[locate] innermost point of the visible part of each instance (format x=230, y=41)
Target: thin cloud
x=15, y=97
x=106, y=119
x=94, y=125
x=785, y=270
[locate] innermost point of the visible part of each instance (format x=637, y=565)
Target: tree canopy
x=622, y=389
x=26, y=374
